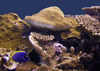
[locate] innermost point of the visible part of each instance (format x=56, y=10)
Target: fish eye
x=26, y=56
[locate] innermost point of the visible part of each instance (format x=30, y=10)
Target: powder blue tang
x=20, y=56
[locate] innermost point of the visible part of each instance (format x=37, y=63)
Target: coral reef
x=72, y=32
x=50, y=41
x=50, y=18
x=36, y=46
x=55, y=52
x=90, y=24
x=41, y=37
x=93, y=10
x=28, y=66
x=12, y=29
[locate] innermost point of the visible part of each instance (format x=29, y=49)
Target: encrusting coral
x=72, y=32
x=12, y=29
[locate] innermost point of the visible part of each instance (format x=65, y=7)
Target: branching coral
x=89, y=23
x=41, y=37
x=43, y=51
x=93, y=10
x=48, y=51
x=36, y=46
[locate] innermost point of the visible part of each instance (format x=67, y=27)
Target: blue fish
x=20, y=56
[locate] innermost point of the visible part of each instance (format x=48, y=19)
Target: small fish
x=20, y=56
x=16, y=58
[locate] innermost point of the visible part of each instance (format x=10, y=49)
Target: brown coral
x=89, y=23
x=28, y=66
x=11, y=30
x=72, y=32
x=51, y=18
x=41, y=37
x=93, y=11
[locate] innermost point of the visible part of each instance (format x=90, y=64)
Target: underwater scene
x=50, y=41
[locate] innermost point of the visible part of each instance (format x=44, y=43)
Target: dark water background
x=29, y=7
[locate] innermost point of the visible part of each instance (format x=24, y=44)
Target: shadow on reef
x=92, y=63
x=96, y=57
x=35, y=57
